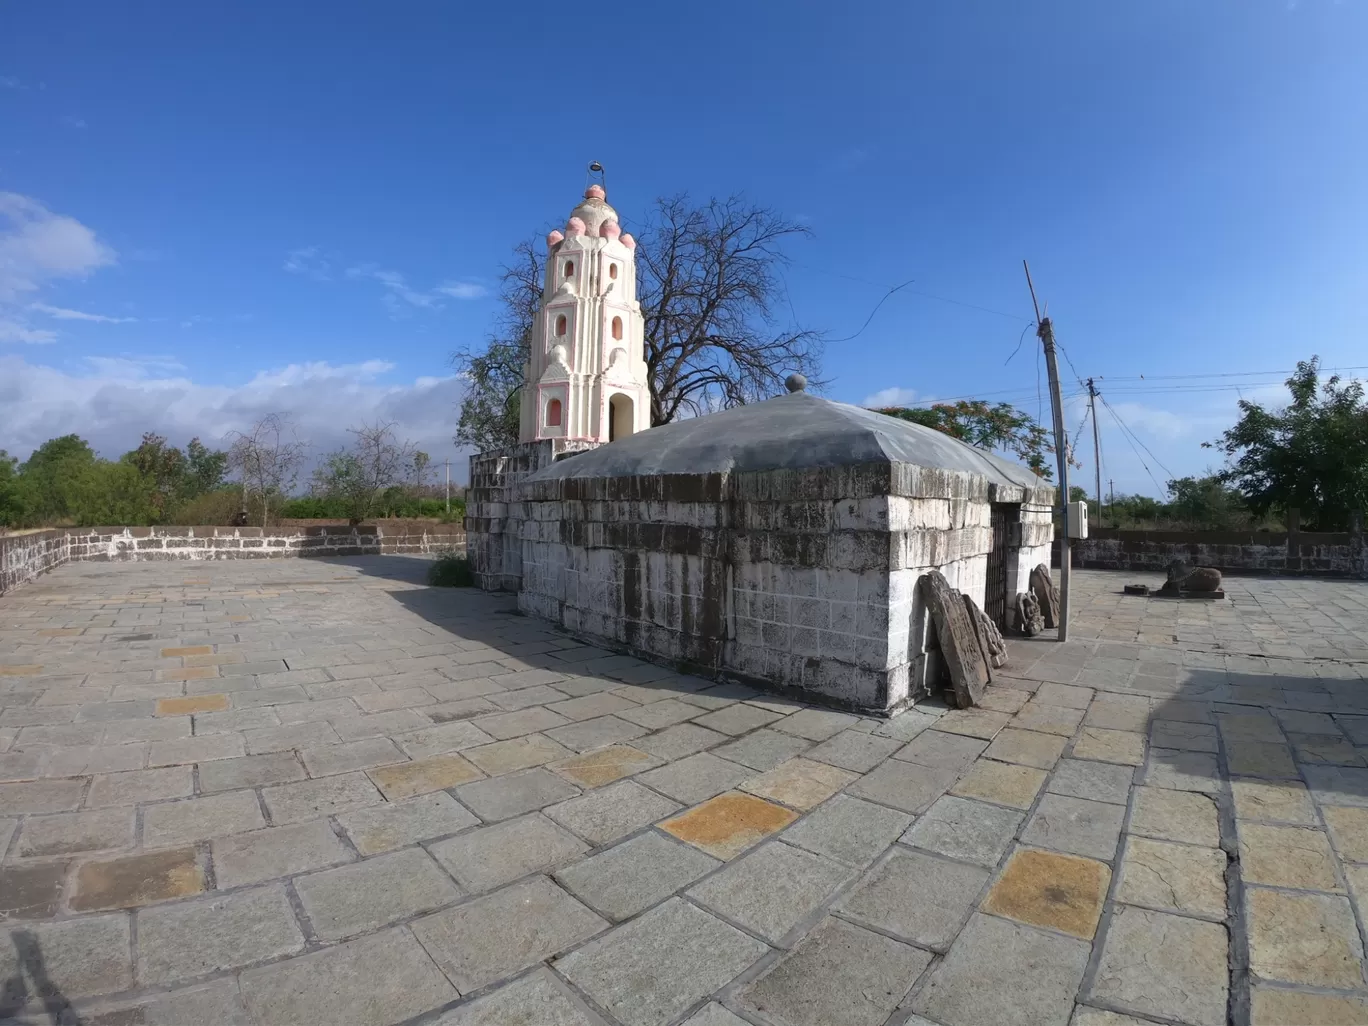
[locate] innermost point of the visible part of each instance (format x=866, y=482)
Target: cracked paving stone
x=1173, y=877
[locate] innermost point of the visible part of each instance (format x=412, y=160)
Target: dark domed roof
x=797, y=431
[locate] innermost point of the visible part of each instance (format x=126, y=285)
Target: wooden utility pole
x=1097, y=446
x=1045, y=332
x=448, y=485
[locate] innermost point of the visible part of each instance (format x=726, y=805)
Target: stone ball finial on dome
x=795, y=383
x=628, y=241
x=595, y=191
x=554, y=239
x=574, y=226
x=610, y=229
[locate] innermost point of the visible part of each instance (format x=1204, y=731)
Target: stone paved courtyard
x=320, y=792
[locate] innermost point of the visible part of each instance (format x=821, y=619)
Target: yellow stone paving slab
x=727, y=825
x=1044, y=888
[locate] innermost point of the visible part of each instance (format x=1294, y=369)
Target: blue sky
x=304, y=206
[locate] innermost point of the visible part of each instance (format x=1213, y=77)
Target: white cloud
x=63, y=314
x=37, y=246
x=10, y=82
x=308, y=262
x=462, y=290
x=398, y=288
x=111, y=401
x=17, y=331
x=73, y=122
x=890, y=397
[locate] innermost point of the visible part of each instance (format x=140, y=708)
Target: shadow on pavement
x=15, y=992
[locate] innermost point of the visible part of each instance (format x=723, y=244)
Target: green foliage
x=451, y=570
x=65, y=482
x=1312, y=455
x=984, y=426
x=395, y=502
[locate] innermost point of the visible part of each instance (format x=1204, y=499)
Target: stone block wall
x=1037, y=541
x=23, y=556
x=494, y=516
x=1251, y=552
x=26, y=554
x=806, y=580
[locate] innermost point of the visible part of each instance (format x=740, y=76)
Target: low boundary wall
x=1235, y=552
x=25, y=555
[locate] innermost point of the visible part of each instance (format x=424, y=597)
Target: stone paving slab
x=273, y=794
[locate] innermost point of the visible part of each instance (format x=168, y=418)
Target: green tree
x=163, y=470
x=1311, y=455
x=986, y=426
x=52, y=477
x=12, y=504
x=205, y=469
x=1207, y=503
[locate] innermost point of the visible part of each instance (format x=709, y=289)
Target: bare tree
x=708, y=282
x=419, y=463
x=377, y=460
x=494, y=374
x=267, y=459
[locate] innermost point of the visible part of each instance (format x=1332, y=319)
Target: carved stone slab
x=990, y=638
x=959, y=641
x=1028, y=619
x=1046, y=593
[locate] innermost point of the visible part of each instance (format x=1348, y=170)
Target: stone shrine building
x=778, y=543
x=587, y=372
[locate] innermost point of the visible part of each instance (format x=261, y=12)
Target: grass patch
x=451, y=570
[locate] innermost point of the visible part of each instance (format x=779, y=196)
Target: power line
x=1132, y=445
x=1156, y=459
x=915, y=292
x=868, y=319
x=1222, y=374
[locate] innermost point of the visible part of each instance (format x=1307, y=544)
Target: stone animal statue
x=1183, y=576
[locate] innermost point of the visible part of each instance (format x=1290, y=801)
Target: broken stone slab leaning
x=959, y=641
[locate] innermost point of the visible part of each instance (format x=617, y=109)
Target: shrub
x=451, y=570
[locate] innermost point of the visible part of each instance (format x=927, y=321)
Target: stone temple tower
x=586, y=380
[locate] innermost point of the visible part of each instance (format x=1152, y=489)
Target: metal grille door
x=995, y=596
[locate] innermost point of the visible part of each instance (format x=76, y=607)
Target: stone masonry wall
x=493, y=517
x=1339, y=555
x=24, y=556
x=802, y=579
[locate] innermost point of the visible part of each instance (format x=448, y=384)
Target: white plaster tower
x=586, y=379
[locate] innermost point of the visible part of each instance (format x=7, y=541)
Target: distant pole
x=1111, y=492
x=1097, y=446
x=448, y=485
x=1045, y=331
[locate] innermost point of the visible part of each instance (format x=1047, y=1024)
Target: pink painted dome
x=575, y=226
x=594, y=210
x=628, y=241
x=610, y=229
x=554, y=239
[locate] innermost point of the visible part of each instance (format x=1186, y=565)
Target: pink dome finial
x=610, y=229
x=554, y=239
x=628, y=241
x=595, y=191
x=575, y=226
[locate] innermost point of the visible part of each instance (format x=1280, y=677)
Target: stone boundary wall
x=1249, y=552
x=23, y=556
